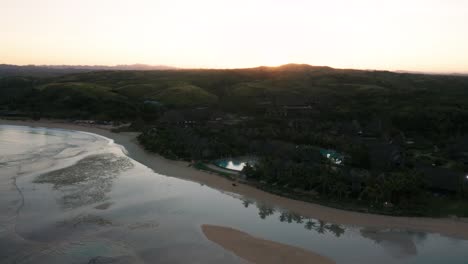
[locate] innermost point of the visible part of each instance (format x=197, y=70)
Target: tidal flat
x=77, y=197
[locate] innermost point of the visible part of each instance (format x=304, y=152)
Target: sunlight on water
x=71, y=197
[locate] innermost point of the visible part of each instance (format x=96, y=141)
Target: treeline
x=203, y=142
x=284, y=116
x=392, y=192
x=290, y=163
x=291, y=167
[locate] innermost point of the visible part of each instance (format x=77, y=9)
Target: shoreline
x=453, y=227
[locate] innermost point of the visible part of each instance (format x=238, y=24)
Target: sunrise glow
x=416, y=35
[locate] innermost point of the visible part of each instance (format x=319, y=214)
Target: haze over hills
x=57, y=70
x=434, y=73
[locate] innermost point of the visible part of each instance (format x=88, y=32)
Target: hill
x=57, y=70
x=404, y=98
x=388, y=142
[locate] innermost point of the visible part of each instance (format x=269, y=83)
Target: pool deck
x=217, y=168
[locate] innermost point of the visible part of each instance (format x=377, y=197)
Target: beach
x=454, y=227
x=258, y=250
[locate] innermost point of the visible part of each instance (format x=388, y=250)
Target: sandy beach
x=260, y=251
x=445, y=226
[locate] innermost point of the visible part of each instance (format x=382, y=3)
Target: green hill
x=336, y=93
x=136, y=91
x=184, y=95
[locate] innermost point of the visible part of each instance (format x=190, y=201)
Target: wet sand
x=445, y=226
x=260, y=251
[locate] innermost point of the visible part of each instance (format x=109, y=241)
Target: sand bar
x=446, y=226
x=260, y=251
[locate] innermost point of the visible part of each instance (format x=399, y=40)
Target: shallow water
x=74, y=197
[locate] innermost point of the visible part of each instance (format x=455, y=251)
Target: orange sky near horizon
x=413, y=35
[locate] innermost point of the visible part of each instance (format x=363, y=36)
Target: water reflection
x=310, y=224
x=119, y=211
x=264, y=210
x=291, y=217
x=399, y=244
x=246, y=203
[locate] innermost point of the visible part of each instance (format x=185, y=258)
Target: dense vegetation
x=404, y=137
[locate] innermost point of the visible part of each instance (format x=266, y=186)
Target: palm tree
x=337, y=230
x=373, y=193
x=341, y=189
x=246, y=203
x=322, y=227
x=283, y=216
x=309, y=224
x=297, y=218
x=326, y=181
x=264, y=211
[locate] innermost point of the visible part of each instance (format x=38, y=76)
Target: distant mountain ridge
x=434, y=73
x=129, y=67
x=57, y=70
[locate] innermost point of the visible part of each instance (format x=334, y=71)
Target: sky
x=412, y=35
